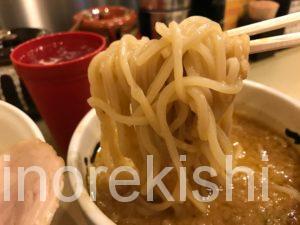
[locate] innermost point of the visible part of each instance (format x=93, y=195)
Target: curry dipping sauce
x=256, y=140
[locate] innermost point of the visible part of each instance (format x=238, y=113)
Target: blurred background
x=53, y=15
x=56, y=15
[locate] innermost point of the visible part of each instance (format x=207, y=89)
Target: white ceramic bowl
x=15, y=126
x=273, y=108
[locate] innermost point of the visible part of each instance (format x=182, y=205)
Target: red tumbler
x=54, y=70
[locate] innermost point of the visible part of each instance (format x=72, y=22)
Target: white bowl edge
x=73, y=159
x=28, y=124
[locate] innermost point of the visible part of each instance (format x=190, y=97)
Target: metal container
x=164, y=5
x=164, y=17
x=166, y=11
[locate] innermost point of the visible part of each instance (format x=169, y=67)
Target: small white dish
x=15, y=126
x=276, y=110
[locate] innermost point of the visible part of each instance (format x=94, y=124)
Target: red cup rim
x=76, y=60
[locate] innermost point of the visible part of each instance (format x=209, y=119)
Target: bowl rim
x=23, y=116
x=87, y=205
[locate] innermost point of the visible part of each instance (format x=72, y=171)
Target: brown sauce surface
x=281, y=209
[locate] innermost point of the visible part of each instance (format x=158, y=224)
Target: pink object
x=54, y=69
x=31, y=211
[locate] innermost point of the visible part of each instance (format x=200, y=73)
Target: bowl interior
x=15, y=126
x=267, y=105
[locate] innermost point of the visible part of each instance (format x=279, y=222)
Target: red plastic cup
x=54, y=70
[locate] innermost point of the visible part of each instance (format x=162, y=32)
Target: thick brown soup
x=257, y=140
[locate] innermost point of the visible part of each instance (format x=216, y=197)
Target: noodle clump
x=166, y=98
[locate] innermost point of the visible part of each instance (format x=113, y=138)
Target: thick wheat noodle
x=169, y=97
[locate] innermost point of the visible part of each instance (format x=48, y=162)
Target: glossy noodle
x=166, y=98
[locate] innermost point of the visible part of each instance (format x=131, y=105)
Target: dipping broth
x=256, y=140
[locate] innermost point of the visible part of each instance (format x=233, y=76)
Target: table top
x=282, y=71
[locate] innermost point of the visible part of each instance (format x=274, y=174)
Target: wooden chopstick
x=270, y=43
x=274, y=43
x=267, y=25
